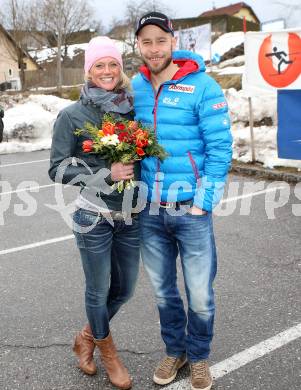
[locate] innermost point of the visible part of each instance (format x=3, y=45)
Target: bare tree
x=68, y=16
x=61, y=18
x=125, y=28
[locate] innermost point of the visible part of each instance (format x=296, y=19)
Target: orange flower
x=139, y=133
x=87, y=146
x=100, y=133
x=140, y=152
x=108, y=128
x=141, y=138
x=133, y=125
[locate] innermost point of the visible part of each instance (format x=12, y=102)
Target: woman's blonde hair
x=123, y=83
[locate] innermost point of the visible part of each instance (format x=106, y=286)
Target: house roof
x=11, y=39
x=228, y=10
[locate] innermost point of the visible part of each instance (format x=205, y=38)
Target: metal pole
x=251, y=122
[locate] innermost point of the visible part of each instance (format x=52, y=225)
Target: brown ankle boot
x=116, y=371
x=84, y=347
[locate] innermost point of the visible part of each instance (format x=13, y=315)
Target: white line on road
x=251, y=194
x=23, y=163
x=36, y=244
x=247, y=356
x=32, y=188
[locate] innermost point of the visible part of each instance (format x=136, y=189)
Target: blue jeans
x=163, y=237
x=110, y=260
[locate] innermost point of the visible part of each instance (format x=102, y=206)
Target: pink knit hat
x=100, y=47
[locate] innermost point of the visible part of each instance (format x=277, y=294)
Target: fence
x=48, y=78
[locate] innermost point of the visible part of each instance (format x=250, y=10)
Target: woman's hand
x=121, y=171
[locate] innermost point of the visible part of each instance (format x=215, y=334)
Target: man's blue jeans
x=110, y=260
x=163, y=236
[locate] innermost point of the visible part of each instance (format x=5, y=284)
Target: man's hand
x=194, y=210
x=121, y=171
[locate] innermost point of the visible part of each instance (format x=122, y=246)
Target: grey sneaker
x=200, y=377
x=167, y=369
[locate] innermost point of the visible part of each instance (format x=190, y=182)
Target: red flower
x=119, y=126
x=141, y=143
x=108, y=128
x=87, y=146
x=123, y=137
x=140, y=152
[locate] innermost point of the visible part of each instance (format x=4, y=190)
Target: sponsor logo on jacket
x=182, y=88
x=170, y=101
x=218, y=106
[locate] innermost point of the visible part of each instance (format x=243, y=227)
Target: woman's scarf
x=108, y=101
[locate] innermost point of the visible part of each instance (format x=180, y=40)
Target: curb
x=270, y=174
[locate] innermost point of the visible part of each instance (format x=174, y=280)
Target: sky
x=265, y=9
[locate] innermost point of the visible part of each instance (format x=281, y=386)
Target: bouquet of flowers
x=122, y=141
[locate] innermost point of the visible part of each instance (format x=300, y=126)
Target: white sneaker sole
x=204, y=388
x=163, y=382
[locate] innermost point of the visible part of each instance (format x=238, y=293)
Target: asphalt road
x=258, y=290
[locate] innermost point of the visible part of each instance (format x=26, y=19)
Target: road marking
x=36, y=244
x=23, y=163
x=247, y=356
x=251, y=194
x=33, y=188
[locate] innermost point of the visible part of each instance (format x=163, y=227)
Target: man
x=1, y=123
x=188, y=112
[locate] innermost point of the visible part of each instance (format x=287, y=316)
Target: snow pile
x=28, y=124
x=232, y=70
x=226, y=42
x=239, y=60
x=265, y=146
x=263, y=107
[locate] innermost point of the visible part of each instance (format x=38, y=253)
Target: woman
x=109, y=251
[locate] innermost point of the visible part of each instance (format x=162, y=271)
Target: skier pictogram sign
x=278, y=67
x=273, y=61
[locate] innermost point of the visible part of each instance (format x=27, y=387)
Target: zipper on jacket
x=195, y=169
x=154, y=112
x=156, y=95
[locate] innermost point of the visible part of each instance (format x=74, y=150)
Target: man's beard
x=159, y=69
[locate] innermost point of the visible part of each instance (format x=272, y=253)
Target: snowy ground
x=28, y=126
